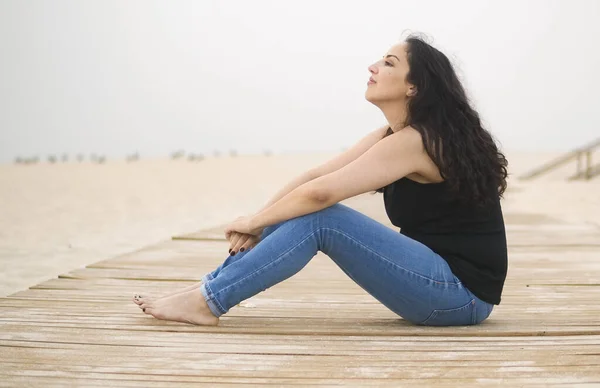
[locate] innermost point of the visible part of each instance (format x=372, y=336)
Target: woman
x=442, y=178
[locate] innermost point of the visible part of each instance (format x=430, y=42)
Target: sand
x=58, y=217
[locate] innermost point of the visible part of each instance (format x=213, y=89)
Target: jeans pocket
x=460, y=316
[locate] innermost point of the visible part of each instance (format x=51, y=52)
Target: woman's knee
x=327, y=213
x=269, y=229
x=333, y=214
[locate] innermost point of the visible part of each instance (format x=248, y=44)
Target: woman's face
x=389, y=76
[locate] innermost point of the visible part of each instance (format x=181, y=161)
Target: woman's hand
x=245, y=234
x=242, y=225
x=239, y=242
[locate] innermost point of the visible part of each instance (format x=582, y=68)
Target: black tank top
x=471, y=240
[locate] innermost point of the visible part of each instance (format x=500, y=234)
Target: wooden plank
x=85, y=380
x=131, y=356
x=540, y=354
x=285, y=369
x=64, y=338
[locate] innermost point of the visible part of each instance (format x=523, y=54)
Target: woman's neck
x=395, y=115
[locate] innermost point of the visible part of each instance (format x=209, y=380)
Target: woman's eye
x=388, y=63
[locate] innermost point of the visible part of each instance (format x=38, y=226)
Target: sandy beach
x=59, y=217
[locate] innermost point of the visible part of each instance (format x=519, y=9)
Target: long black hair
x=453, y=136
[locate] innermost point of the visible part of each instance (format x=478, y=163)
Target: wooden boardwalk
x=317, y=328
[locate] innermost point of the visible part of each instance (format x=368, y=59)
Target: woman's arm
x=288, y=188
x=330, y=166
x=389, y=160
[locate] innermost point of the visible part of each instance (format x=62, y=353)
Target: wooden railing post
x=588, y=164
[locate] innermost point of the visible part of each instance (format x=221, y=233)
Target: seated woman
x=442, y=177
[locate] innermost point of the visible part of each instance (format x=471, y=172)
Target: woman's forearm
x=296, y=203
x=289, y=187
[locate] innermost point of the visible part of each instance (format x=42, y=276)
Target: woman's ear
x=412, y=91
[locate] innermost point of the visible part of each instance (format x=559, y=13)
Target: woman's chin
x=370, y=98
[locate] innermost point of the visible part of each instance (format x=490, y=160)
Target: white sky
x=113, y=77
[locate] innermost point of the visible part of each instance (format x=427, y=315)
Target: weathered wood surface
x=317, y=328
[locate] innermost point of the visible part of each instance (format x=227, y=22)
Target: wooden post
x=588, y=164
x=579, y=165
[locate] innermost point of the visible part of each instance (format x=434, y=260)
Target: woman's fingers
x=237, y=241
x=242, y=242
x=251, y=243
x=233, y=239
x=246, y=242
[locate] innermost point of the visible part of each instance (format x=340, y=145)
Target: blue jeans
x=404, y=275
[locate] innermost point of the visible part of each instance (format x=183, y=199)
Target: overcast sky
x=115, y=77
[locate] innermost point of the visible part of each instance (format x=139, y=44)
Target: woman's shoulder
x=409, y=135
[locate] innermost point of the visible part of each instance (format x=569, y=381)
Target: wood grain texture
x=317, y=328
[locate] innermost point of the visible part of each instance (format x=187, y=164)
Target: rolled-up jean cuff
x=212, y=303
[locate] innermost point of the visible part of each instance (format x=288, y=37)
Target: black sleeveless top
x=471, y=240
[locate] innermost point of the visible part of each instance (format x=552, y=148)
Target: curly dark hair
x=465, y=153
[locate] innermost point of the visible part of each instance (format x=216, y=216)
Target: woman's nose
x=373, y=69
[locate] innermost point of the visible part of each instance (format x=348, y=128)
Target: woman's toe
x=146, y=304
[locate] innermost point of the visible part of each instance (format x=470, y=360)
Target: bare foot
x=141, y=298
x=187, y=307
